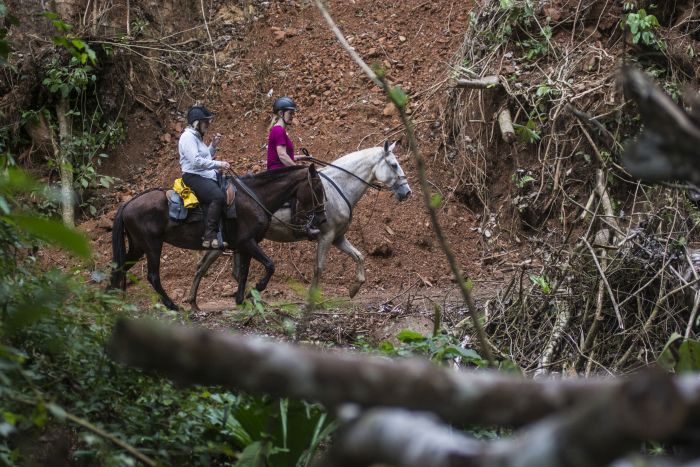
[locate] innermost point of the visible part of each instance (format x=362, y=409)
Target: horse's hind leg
x=243, y=277
x=153, y=258
x=345, y=246
x=202, y=268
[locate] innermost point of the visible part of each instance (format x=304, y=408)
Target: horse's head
x=312, y=199
x=389, y=172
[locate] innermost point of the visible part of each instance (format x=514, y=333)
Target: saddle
x=179, y=213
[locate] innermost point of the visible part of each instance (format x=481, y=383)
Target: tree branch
x=199, y=356
x=645, y=407
x=484, y=345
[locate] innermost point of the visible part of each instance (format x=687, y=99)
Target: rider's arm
x=191, y=156
x=284, y=157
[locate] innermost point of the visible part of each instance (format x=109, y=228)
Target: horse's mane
x=355, y=155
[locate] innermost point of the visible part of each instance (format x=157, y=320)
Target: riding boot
x=212, y=226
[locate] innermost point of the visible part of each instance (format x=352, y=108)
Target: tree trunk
x=68, y=10
x=64, y=163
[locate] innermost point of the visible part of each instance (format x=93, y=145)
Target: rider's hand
x=217, y=139
x=225, y=165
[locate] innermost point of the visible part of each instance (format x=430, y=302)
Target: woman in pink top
x=280, y=149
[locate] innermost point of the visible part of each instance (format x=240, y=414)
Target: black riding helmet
x=283, y=103
x=198, y=112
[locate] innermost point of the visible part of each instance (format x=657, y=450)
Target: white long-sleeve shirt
x=195, y=156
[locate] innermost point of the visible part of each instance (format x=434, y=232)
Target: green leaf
x=57, y=411
x=54, y=233
x=435, y=200
x=16, y=181
x=39, y=416
x=398, y=97
x=254, y=455
x=469, y=284
x=667, y=359
x=387, y=347
x=6, y=429
x=379, y=70
x=408, y=335
x=688, y=357
x=4, y=207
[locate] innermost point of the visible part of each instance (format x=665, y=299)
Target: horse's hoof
x=355, y=288
x=312, y=234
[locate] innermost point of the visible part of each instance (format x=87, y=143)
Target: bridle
x=401, y=180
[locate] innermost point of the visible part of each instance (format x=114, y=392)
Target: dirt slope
x=291, y=51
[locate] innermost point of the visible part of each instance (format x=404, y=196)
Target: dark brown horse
x=144, y=221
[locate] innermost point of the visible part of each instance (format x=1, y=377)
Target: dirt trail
x=291, y=51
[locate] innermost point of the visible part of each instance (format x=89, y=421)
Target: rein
x=340, y=192
x=309, y=157
x=247, y=190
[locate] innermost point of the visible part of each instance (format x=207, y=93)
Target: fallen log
x=505, y=123
x=601, y=430
x=197, y=356
x=487, y=82
x=667, y=148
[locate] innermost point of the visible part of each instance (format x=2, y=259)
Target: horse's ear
x=312, y=170
x=386, y=147
x=392, y=146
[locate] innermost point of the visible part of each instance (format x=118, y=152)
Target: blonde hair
x=273, y=121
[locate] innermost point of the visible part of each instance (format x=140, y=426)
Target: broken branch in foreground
x=197, y=356
x=645, y=407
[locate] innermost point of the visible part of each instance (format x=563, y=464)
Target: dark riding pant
x=208, y=192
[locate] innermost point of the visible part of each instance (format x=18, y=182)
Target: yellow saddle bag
x=188, y=197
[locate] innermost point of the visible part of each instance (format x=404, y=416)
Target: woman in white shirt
x=199, y=171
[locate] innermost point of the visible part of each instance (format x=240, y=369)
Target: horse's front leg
x=243, y=279
x=345, y=246
x=202, y=268
x=324, y=244
x=257, y=253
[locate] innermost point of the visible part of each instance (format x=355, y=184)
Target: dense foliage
x=58, y=386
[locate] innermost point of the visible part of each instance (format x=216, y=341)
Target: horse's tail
x=118, y=279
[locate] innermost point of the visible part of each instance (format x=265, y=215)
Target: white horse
x=345, y=181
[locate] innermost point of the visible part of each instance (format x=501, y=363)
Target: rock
x=389, y=110
x=105, y=224
x=383, y=250
x=402, y=38
x=178, y=294
x=230, y=14
x=553, y=12
x=279, y=34
x=165, y=138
